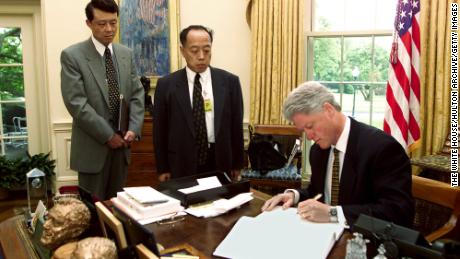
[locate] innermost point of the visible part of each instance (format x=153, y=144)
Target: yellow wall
x=232, y=43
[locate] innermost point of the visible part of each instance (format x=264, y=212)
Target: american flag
x=402, y=112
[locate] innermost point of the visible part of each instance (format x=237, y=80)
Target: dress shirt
x=341, y=146
x=206, y=86
x=100, y=47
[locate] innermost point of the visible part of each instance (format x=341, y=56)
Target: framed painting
x=151, y=29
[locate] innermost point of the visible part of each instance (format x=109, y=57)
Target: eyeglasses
x=175, y=218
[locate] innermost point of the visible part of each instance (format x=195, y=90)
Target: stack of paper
x=279, y=234
x=220, y=206
x=203, y=184
x=146, y=204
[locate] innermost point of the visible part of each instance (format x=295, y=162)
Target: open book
x=279, y=234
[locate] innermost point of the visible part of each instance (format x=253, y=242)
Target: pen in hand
x=317, y=196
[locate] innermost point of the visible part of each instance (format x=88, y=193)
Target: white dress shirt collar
x=204, y=76
x=342, y=142
x=100, y=47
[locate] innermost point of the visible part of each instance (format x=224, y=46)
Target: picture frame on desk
x=111, y=226
x=151, y=29
x=137, y=234
x=185, y=249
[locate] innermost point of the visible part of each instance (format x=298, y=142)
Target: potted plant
x=8, y=178
x=13, y=172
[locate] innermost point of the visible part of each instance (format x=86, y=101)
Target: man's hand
x=164, y=177
x=116, y=142
x=129, y=137
x=286, y=198
x=235, y=175
x=314, y=210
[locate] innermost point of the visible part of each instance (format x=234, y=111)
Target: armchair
x=437, y=208
x=271, y=182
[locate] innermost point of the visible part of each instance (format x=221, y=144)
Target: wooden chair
x=286, y=135
x=437, y=208
x=144, y=253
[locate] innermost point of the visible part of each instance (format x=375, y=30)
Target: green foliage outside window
x=11, y=70
x=357, y=52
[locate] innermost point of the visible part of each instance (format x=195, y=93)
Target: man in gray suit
x=96, y=74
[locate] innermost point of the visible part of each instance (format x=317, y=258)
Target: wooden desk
x=15, y=240
x=206, y=234
x=203, y=234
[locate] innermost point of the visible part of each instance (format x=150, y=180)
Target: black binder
x=228, y=189
x=123, y=117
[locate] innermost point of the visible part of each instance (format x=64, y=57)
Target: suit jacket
x=375, y=180
x=174, y=135
x=85, y=93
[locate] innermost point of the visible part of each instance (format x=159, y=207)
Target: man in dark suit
x=95, y=74
x=197, y=114
x=356, y=168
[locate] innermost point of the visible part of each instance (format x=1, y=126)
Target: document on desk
x=146, y=195
x=220, y=206
x=203, y=184
x=279, y=234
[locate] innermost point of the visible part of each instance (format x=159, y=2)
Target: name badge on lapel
x=207, y=105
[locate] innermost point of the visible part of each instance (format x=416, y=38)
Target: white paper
x=203, y=184
x=155, y=219
x=39, y=214
x=279, y=234
x=146, y=218
x=148, y=209
x=220, y=206
x=145, y=194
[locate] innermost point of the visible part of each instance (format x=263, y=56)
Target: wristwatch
x=333, y=215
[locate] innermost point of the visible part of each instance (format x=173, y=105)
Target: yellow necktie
x=335, y=179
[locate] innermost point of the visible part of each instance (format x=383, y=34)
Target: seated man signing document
x=356, y=168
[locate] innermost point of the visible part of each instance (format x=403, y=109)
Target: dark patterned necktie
x=114, y=93
x=335, y=179
x=199, y=121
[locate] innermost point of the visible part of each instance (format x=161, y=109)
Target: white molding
x=62, y=132
x=63, y=181
x=348, y=33
x=62, y=126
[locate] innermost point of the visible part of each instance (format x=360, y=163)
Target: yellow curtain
x=435, y=75
x=277, y=56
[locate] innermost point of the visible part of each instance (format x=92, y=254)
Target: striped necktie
x=114, y=92
x=199, y=121
x=335, y=179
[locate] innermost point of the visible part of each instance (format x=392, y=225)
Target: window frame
x=310, y=35
x=26, y=15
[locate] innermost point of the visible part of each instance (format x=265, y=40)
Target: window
x=13, y=126
x=23, y=97
x=348, y=49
